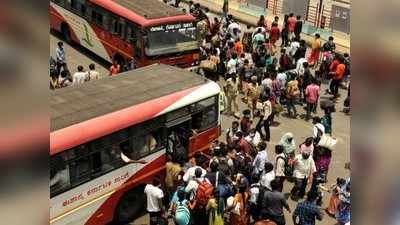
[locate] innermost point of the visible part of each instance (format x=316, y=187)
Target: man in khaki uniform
x=232, y=92
x=252, y=94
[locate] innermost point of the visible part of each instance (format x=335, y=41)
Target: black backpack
x=288, y=169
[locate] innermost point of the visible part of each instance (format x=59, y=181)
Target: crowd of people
x=241, y=181
x=60, y=75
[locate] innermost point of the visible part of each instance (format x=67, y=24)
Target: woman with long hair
x=215, y=209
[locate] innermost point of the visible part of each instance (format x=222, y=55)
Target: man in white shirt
x=231, y=65
x=280, y=165
x=282, y=77
x=254, y=138
x=190, y=173
x=79, y=77
x=293, y=47
x=154, y=200
x=92, y=74
x=304, y=167
x=234, y=25
x=318, y=128
x=261, y=158
x=268, y=175
x=193, y=184
x=300, y=66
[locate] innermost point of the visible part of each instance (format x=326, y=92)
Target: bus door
x=178, y=135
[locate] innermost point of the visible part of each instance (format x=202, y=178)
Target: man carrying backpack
x=281, y=161
x=202, y=192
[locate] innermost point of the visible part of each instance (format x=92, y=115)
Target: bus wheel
x=66, y=33
x=130, y=206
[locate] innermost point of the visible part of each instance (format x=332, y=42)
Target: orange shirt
x=316, y=44
x=238, y=47
x=114, y=70
x=339, y=71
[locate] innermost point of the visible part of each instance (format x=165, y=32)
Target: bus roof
x=75, y=104
x=145, y=12
x=80, y=114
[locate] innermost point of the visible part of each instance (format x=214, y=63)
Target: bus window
x=59, y=174
x=205, y=119
x=97, y=16
x=147, y=144
x=79, y=165
x=117, y=26
x=79, y=6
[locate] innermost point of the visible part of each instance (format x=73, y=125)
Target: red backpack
x=203, y=193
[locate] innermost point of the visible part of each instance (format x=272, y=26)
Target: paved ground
x=301, y=129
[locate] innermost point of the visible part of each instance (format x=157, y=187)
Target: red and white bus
x=145, y=31
x=135, y=113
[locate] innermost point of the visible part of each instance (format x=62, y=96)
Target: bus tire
x=66, y=33
x=130, y=206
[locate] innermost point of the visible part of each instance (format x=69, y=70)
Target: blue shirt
x=307, y=212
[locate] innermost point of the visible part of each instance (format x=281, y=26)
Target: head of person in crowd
x=276, y=19
x=259, y=30
x=60, y=44
x=254, y=80
x=235, y=31
x=238, y=136
x=279, y=149
x=80, y=68
x=298, y=17
x=291, y=14
x=214, y=166
x=181, y=195
x=91, y=66
x=268, y=167
x=330, y=39
x=198, y=172
x=234, y=55
x=283, y=51
x=311, y=196
x=262, y=146
x=317, y=36
x=305, y=65
x=184, y=10
x=255, y=178
x=266, y=40
x=275, y=185
x=274, y=24
x=231, y=44
x=65, y=74
x=309, y=141
x=316, y=119
x=302, y=43
x=248, y=27
x=246, y=113
x=252, y=132
x=261, y=19
x=235, y=126
x=156, y=181
x=346, y=55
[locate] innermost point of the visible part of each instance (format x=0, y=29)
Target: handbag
x=327, y=141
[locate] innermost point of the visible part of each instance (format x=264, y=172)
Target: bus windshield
x=171, y=39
